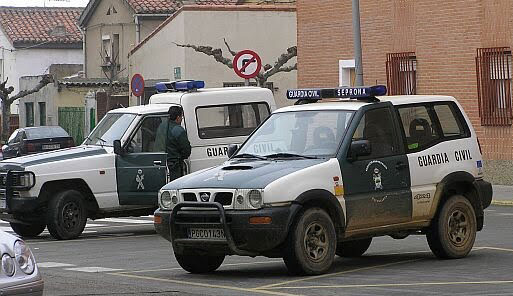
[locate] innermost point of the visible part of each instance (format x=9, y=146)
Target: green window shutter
x=72, y=120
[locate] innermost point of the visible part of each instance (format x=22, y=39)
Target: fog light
x=240, y=199
x=8, y=265
x=260, y=220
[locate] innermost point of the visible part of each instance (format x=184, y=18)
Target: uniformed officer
x=176, y=143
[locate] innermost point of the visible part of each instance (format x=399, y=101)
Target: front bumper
x=34, y=288
x=242, y=238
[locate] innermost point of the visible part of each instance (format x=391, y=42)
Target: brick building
x=460, y=48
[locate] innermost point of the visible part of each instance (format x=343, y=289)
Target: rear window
x=230, y=120
x=46, y=132
x=450, y=120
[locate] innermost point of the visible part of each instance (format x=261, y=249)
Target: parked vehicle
x=319, y=180
x=30, y=140
x=117, y=171
x=19, y=274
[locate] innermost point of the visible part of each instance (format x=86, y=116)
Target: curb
x=502, y=202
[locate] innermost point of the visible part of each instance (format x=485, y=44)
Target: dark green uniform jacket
x=177, y=146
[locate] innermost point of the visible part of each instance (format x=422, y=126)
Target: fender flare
x=327, y=201
x=453, y=181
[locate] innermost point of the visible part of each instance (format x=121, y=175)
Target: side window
x=377, y=127
x=418, y=127
x=451, y=122
x=230, y=120
x=147, y=134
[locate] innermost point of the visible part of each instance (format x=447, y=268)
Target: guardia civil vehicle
x=117, y=171
x=318, y=180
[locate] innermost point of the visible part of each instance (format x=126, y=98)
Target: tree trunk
x=6, y=114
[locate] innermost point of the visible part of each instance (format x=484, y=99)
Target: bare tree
x=267, y=70
x=7, y=100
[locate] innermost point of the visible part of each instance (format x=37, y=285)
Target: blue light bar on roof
x=342, y=92
x=184, y=85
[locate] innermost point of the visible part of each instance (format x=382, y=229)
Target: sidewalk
x=502, y=195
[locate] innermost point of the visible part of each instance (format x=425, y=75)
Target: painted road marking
x=335, y=274
x=93, y=269
x=128, y=221
x=395, y=285
x=53, y=264
x=88, y=225
x=229, y=264
x=181, y=282
x=84, y=239
x=498, y=249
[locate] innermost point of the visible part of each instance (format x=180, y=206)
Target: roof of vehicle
x=144, y=109
x=174, y=97
x=354, y=105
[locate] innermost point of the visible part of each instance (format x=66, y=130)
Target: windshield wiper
x=102, y=141
x=248, y=155
x=289, y=155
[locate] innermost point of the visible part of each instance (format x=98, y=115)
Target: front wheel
x=354, y=248
x=311, y=243
x=194, y=263
x=28, y=230
x=66, y=215
x=453, y=232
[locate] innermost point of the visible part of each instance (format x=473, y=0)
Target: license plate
x=207, y=233
x=3, y=204
x=51, y=146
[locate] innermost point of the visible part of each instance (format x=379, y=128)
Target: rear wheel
x=354, y=248
x=67, y=215
x=311, y=243
x=28, y=230
x=453, y=232
x=194, y=263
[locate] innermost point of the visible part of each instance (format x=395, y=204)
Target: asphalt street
x=126, y=257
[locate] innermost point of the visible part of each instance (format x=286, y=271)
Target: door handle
x=157, y=162
x=401, y=165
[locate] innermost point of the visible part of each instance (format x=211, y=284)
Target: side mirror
x=232, y=149
x=359, y=148
x=117, y=147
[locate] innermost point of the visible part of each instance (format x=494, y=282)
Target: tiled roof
x=34, y=25
x=170, y=6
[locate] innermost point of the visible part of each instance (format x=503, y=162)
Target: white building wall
x=269, y=33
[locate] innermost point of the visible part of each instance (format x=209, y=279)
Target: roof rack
x=312, y=95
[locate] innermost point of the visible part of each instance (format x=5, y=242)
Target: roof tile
x=38, y=24
x=170, y=6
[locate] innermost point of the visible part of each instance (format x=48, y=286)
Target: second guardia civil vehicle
x=319, y=180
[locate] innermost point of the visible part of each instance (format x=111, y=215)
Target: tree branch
x=229, y=49
x=216, y=53
x=282, y=60
x=46, y=79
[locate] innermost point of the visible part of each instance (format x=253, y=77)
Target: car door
x=141, y=171
x=377, y=186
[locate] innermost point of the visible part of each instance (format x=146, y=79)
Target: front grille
x=189, y=197
x=224, y=198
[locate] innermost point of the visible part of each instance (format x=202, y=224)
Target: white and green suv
x=319, y=180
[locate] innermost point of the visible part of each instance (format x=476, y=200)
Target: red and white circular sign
x=247, y=64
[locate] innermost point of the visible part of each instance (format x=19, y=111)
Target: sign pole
x=246, y=82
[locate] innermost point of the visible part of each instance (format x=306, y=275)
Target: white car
x=19, y=274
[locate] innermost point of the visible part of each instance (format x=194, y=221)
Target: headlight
x=8, y=265
x=24, y=257
x=168, y=199
x=248, y=199
x=255, y=198
x=22, y=180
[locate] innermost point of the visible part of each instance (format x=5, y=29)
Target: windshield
x=303, y=133
x=111, y=127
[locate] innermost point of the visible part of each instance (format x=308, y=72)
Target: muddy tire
x=199, y=263
x=311, y=243
x=66, y=215
x=354, y=248
x=453, y=231
x=28, y=230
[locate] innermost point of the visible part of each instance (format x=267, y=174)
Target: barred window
x=402, y=73
x=493, y=67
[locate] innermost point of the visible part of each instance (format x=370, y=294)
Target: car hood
x=7, y=243
x=242, y=174
x=51, y=156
